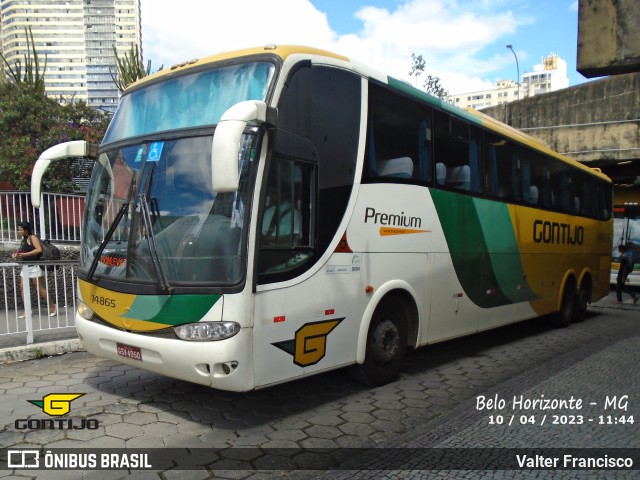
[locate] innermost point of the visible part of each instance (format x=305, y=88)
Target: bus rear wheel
x=582, y=303
x=386, y=345
x=563, y=317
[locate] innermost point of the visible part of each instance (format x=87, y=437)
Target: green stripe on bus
x=501, y=241
x=171, y=309
x=483, y=248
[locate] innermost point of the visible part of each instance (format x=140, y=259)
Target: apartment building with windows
x=77, y=37
x=548, y=76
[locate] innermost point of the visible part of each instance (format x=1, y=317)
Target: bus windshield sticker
x=139, y=154
x=155, y=151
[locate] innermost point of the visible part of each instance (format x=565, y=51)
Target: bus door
x=302, y=312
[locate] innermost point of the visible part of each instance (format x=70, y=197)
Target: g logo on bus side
x=310, y=343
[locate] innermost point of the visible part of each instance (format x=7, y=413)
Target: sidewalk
x=47, y=342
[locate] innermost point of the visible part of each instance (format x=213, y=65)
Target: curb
x=39, y=350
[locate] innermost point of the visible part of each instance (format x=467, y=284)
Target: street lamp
x=510, y=47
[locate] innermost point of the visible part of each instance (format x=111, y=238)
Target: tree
x=30, y=123
x=432, y=84
x=130, y=68
x=32, y=76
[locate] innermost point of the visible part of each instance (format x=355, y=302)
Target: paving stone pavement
x=329, y=419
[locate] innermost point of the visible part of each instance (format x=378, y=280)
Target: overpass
x=597, y=123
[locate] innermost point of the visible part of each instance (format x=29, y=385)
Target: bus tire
x=562, y=318
x=582, y=302
x=386, y=345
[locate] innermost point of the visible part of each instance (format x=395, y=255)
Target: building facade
x=548, y=76
x=77, y=38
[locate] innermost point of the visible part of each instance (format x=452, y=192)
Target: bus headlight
x=203, y=331
x=84, y=311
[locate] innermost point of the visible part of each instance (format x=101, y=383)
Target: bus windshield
x=195, y=100
x=153, y=218
x=626, y=231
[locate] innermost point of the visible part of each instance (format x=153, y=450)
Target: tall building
x=548, y=76
x=504, y=91
x=77, y=37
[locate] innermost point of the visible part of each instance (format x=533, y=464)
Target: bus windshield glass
x=626, y=231
x=195, y=100
x=152, y=216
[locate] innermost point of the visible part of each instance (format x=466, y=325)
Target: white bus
x=258, y=216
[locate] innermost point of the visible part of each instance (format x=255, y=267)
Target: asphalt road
x=443, y=418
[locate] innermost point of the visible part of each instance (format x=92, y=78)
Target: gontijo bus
x=258, y=216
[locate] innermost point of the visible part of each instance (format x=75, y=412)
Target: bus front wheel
x=386, y=345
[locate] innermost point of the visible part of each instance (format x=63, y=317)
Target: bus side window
x=456, y=154
x=401, y=167
x=425, y=148
x=474, y=161
x=530, y=193
x=286, y=227
x=398, y=139
x=501, y=173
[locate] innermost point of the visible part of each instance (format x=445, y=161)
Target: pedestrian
x=626, y=266
x=31, y=248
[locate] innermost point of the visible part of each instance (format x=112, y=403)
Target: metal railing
x=59, y=217
x=41, y=310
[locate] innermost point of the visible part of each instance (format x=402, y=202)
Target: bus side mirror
x=225, y=150
x=75, y=149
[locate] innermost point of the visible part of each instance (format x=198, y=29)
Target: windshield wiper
x=116, y=221
x=144, y=209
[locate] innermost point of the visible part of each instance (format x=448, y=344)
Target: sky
x=462, y=41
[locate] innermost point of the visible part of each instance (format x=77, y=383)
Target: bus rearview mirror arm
x=74, y=149
x=226, y=146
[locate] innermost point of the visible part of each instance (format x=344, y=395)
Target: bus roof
x=284, y=51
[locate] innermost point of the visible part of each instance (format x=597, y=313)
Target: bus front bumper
x=224, y=364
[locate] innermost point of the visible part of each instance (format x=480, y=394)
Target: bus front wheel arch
x=386, y=344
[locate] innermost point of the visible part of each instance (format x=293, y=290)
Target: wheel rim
x=385, y=342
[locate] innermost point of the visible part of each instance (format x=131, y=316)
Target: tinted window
x=399, y=138
x=323, y=105
x=457, y=153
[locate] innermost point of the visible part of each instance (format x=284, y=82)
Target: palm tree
x=129, y=68
x=32, y=77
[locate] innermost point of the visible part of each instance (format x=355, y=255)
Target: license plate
x=129, y=351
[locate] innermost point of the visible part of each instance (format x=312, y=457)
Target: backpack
x=49, y=251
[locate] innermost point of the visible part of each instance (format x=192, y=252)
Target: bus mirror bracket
x=225, y=149
x=74, y=149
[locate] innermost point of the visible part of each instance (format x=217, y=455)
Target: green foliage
x=432, y=84
x=32, y=77
x=129, y=68
x=30, y=123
